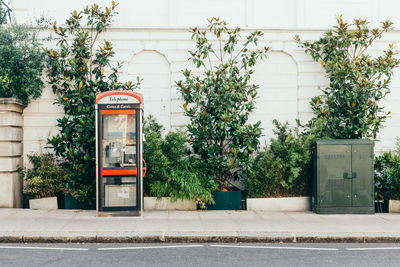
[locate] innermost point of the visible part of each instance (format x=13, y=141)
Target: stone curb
x=198, y=239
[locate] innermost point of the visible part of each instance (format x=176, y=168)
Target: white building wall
x=151, y=37
x=261, y=14
x=155, y=71
x=40, y=123
x=278, y=92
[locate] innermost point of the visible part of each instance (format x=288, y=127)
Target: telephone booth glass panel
x=119, y=140
x=119, y=191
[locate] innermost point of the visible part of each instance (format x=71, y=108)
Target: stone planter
x=47, y=203
x=279, y=204
x=151, y=203
x=10, y=152
x=394, y=206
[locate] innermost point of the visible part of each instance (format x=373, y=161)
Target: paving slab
x=25, y=225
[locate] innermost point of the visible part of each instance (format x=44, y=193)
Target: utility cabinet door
x=362, y=181
x=334, y=170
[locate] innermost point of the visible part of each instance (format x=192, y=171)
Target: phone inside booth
x=119, y=155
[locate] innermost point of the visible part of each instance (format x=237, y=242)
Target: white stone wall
x=40, y=122
x=278, y=92
x=151, y=37
x=154, y=69
x=262, y=14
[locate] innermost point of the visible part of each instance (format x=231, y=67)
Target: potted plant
x=387, y=180
x=349, y=109
x=218, y=103
x=174, y=178
x=44, y=181
x=280, y=177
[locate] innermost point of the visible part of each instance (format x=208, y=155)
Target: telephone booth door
x=119, y=153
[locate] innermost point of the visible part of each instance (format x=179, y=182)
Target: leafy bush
x=4, y=84
x=45, y=178
x=349, y=108
x=21, y=62
x=76, y=70
x=171, y=171
x=284, y=168
x=220, y=100
x=387, y=174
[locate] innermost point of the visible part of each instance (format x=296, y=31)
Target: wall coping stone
x=5, y=100
x=11, y=105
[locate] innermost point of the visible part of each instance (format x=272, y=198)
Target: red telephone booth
x=119, y=153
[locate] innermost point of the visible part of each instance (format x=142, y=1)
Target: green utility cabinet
x=343, y=176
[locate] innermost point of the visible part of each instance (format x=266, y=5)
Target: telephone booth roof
x=136, y=95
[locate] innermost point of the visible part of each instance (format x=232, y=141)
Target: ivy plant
x=78, y=69
x=220, y=99
x=350, y=107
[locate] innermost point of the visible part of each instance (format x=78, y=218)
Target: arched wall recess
x=154, y=69
x=277, y=77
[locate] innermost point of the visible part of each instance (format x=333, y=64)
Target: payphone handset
x=113, y=153
x=120, y=155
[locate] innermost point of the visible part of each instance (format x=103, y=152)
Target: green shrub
x=4, y=84
x=284, y=168
x=349, y=107
x=45, y=178
x=21, y=62
x=219, y=101
x=77, y=70
x=387, y=174
x=171, y=171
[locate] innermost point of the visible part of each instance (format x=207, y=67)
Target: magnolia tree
x=220, y=99
x=76, y=70
x=349, y=107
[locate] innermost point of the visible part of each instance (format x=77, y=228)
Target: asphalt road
x=210, y=254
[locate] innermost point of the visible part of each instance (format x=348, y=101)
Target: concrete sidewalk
x=24, y=225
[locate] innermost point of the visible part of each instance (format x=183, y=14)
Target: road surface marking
x=381, y=248
x=151, y=247
x=46, y=248
x=299, y=248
